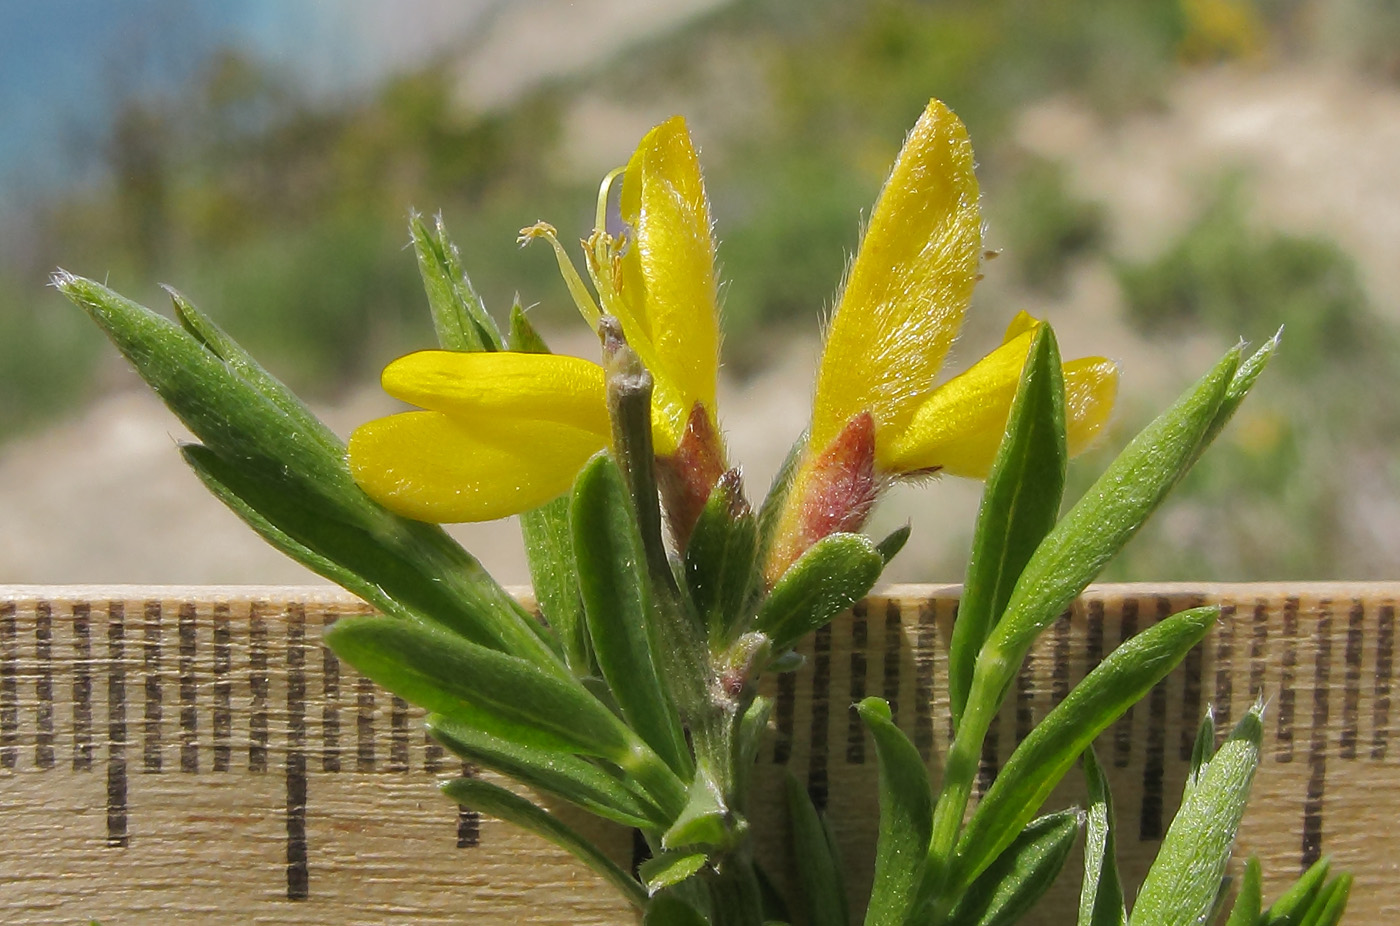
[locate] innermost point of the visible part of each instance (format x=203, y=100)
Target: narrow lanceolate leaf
x=906, y=815
x=407, y=575
x=1331, y=902
x=830, y=577
x=1295, y=903
x=1181, y=886
x=1203, y=749
x=617, y=601
x=291, y=476
x=821, y=888
x=1239, y=387
x=1044, y=756
x=1021, y=875
x=501, y=694
x=498, y=802
x=1019, y=506
x=459, y=316
x=720, y=559
x=771, y=511
x=669, y=869
x=578, y=780
x=1101, y=892
x=524, y=337
x=1110, y=512
x=894, y=542
x=242, y=363
x=1249, y=902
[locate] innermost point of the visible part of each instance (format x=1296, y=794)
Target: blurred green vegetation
x=286, y=220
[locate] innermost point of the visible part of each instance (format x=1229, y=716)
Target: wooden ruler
x=194, y=755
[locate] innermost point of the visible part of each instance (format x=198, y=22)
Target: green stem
x=984, y=699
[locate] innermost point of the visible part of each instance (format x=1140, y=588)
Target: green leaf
x=820, y=878
x=460, y=318
x=1098, y=526
x=1049, y=751
x=406, y=573
x=1202, y=750
x=1019, y=507
x=1101, y=892
x=288, y=473
x=667, y=910
x=720, y=559
x=1239, y=387
x=894, y=542
x=1331, y=902
x=669, y=869
x=549, y=547
x=906, y=816
x=1290, y=909
x=241, y=362
x=771, y=511
x=1248, y=903
x=498, y=802
x=1021, y=875
x=524, y=338
x=502, y=695
x=617, y=601
x=573, y=778
x=705, y=820
x=753, y=726
x=835, y=573
x=1182, y=884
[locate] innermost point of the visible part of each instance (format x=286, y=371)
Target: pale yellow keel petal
x=1091, y=385
x=909, y=286
x=493, y=386
x=434, y=467
x=668, y=274
x=958, y=428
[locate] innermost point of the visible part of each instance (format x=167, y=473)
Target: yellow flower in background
x=876, y=414
x=503, y=432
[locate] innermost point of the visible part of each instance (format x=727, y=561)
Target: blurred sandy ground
x=104, y=497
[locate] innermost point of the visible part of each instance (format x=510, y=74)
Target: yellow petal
x=909, y=286
x=668, y=280
x=489, y=386
x=434, y=467
x=1091, y=385
x=1023, y=322
x=958, y=429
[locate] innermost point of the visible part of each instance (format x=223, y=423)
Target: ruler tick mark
x=1351, y=692
x=1192, y=708
x=1123, y=730
x=1317, y=746
x=398, y=735
x=923, y=679
x=9, y=687
x=116, y=725
x=43, y=685
x=1287, y=696
x=893, y=637
x=258, y=689
x=364, y=725
x=1224, y=660
x=150, y=664
x=298, y=874
x=82, y=687
x=469, y=821
x=1385, y=645
x=330, y=705
x=223, y=688
x=189, y=688
x=855, y=729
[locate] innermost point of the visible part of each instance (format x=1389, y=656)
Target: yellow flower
x=503, y=432
x=877, y=415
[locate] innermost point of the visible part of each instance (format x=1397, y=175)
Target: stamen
x=600, y=221
x=586, y=306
